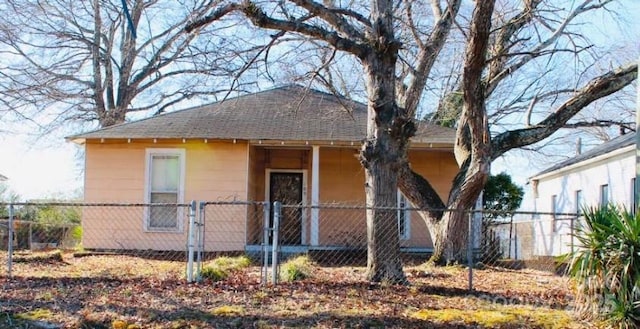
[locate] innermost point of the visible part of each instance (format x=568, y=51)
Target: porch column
x=315, y=194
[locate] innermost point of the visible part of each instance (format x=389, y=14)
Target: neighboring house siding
x=115, y=172
x=616, y=169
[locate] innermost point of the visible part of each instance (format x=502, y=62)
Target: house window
x=554, y=200
x=634, y=196
x=404, y=217
x=604, y=194
x=579, y=202
x=164, y=181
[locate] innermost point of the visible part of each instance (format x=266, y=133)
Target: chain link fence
x=539, y=241
x=331, y=235
x=152, y=231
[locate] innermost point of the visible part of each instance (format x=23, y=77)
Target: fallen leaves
x=97, y=291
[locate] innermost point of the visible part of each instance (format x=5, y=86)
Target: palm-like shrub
x=606, y=267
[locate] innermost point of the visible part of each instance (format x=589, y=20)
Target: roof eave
x=419, y=144
x=582, y=163
x=76, y=140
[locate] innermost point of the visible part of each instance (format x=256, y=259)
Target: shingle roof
x=286, y=113
x=610, y=146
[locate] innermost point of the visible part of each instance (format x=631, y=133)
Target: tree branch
x=497, y=76
x=597, y=88
x=601, y=123
x=502, y=41
x=330, y=17
x=428, y=54
x=260, y=19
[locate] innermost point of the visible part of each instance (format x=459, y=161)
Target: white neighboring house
x=604, y=174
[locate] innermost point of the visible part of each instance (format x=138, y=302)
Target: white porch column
x=315, y=194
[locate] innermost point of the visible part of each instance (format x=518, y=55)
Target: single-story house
x=602, y=175
x=290, y=144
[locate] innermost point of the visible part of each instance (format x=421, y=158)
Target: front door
x=286, y=187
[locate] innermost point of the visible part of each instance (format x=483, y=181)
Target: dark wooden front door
x=286, y=187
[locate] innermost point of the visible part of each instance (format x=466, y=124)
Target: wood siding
x=217, y=171
x=115, y=172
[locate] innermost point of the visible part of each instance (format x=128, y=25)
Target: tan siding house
x=287, y=144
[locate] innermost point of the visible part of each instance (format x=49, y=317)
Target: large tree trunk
x=472, y=143
x=388, y=131
x=450, y=238
x=450, y=229
x=383, y=243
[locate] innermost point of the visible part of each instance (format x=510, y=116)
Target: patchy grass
x=522, y=317
x=129, y=292
x=295, y=269
x=228, y=310
x=220, y=268
x=35, y=315
x=54, y=256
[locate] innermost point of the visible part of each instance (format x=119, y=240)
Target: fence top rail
x=5, y=222
x=90, y=204
x=568, y=215
x=563, y=216
x=236, y=203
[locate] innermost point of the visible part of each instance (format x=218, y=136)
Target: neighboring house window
x=554, y=200
x=404, y=217
x=579, y=201
x=633, y=196
x=165, y=180
x=575, y=222
x=604, y=194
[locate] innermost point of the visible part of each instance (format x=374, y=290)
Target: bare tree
x=83, y=60
x=398, y=51
x=499, y=46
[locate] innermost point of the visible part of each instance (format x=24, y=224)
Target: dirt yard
x=128, y=292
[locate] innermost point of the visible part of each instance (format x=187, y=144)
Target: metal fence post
x=277, y=208
x=10, y=241
x=470, y=250
x=200, y=239
x=190, y=243
x=265, y=242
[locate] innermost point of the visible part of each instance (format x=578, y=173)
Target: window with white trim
x=164, y=184
x=404, y=217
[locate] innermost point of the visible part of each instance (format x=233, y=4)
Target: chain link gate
x=234, y=228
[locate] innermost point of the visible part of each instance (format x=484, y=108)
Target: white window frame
x=403, y=206
x=149, y=153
